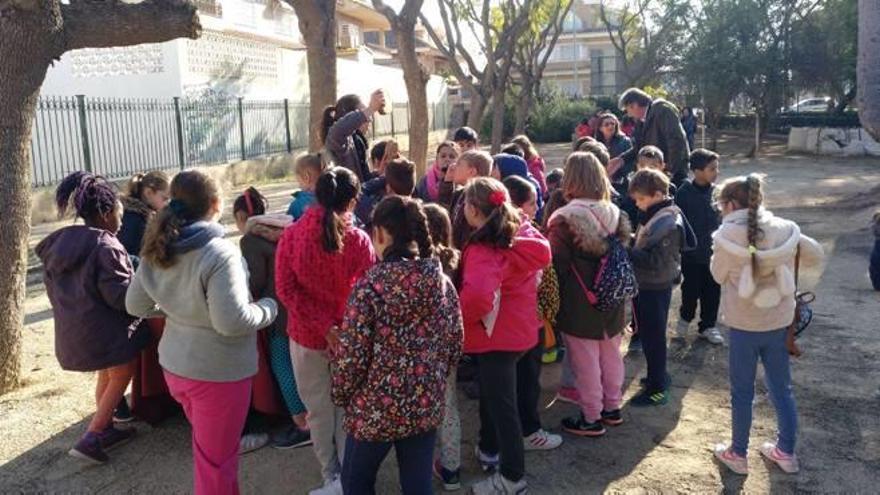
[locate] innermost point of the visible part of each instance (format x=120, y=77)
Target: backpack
x=615, y=280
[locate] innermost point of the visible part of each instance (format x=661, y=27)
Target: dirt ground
x=837, y=385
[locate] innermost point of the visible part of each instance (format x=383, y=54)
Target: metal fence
x=119, y=137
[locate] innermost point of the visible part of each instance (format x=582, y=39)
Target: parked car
x=821, y=104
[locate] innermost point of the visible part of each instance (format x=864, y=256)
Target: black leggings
x=500, y=428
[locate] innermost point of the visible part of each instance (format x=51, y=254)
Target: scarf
x=433, y=179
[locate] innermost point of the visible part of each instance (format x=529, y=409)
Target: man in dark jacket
x=658, y=125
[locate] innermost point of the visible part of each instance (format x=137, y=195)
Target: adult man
x=657, y=125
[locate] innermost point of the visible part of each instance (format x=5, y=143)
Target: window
x=568, y=52
x=572, y=24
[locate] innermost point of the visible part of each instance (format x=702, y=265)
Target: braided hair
x=405, y=220
x=440, y=227
x=91, y=196
x=747, y=192
x=335, y=190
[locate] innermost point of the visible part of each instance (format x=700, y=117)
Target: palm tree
x=869, y=66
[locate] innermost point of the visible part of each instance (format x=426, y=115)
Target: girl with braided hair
x=398, y=342
x=87, y=273
x=499, y=304
x=755, y=258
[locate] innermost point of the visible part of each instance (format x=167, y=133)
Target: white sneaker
x=786, y=462
x=252, y=442
x=713, y=335
x=499, y=485
x=331, y=487
x=681, y=330
x=542, y=440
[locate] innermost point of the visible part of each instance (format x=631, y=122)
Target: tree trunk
x=497, y=119
x=476, y=111
x=415, y=78
x=869, y=67
x=317, y=22
x=524, y=105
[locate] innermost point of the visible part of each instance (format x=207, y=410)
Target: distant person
x=651, y=157
x=344, y=128
x=583, y=129
x=658, y=125
x=87, y=273
x=615, y=141
x=466, y=139
x=754, y=259
x=689, y=123
x=874, y=267
x=533, y=159
x=209, y=348
x=307, y=167
x=374, y=190
x=696, y=198
x=428, y=188
x=554, y=181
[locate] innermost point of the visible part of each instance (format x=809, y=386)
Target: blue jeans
x=415, y=459
x=652, y=314
x=745, y=350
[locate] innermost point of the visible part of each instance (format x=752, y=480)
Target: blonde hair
x=585, y=177
x=526, y=145
x=309, y=162
x=478, y=160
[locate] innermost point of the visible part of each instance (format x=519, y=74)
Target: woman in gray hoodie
x=209, y=348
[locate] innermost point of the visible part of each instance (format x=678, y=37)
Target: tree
x=414, y=75
x=317, y=23
x=496, y=26
x=869, y=66
x=534, y=50
x=35, y=33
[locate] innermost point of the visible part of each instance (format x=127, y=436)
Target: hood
x=373, y=186
x=583, y=217
x=530, y=250
x=136, y=206
x=196, y=235
x=67, y=249
x=511, y=165
x=269, y=226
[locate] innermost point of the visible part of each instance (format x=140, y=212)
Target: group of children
x=369, y=297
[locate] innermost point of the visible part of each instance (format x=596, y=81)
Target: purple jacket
x=87, y=272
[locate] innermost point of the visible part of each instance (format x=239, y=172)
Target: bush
x=783, y=122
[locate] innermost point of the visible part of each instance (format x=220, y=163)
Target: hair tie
x=753, y=249
x=497, y=198
x=248, y=203
x=177, y=207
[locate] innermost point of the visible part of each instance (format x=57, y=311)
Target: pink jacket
x=536, y=168
x=313, y=284
x=498, y=296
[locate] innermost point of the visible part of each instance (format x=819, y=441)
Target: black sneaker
x=293, y=438
x=451, y=479
x=122, y=414
x=578, y=425
x=647, y=398
x=612, y=418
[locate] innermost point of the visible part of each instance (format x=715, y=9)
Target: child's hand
x=377, y=101
x=450, y=172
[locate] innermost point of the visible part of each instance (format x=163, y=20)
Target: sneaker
x=122, y=414
x=112, y=437
x=88, y=448
x=578, y=425
x=542, y=440
x=681, y=330
x=488, y=463
x=735, y=462
x=786, y=462
x=647, y=398
x=451, y=479
x=549, y=356
x=499, y=485
x=612, y=418
x=713, y=335
x=635, y=345
x=252, y=442
x=568, y=394
x=331, y=487
x=292, y=438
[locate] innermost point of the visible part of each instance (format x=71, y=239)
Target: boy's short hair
x=309, y=162
x=634, y=95
x=513, y=149
x=400, y=175
x=596, y=149
x=701, y=157
x=580, y=141
x=479, y=160
x=465, y=134
x=555, y=176
x=651, y=153
x=649, y=182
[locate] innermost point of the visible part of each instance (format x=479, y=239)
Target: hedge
x=783, y=122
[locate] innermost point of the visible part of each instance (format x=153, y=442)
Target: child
x=448, y=467
x=208, y=350
x=663, y=233
x=259, y=241
x=499, y=306
x=505, y=166
x=528, y=369
x=513, y=149
x=318, y=260
x=87, y=272
x=399, y=340
x=308, y=167
x=470, y=164
x=374, y=189
x=696, y=200
x=466, y=139
x=578, y=236
x=755, y=258
x=652, y=157
x=428, y=189
x=147, y=194
x=554, y=181
x=534, y=160
x=343, y=132
x=874, y=267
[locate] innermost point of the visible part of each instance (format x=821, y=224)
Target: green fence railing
x=118, y=137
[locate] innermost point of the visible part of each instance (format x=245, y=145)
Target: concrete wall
x=832, y=141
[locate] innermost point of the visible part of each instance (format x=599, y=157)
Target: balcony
x=209, y=7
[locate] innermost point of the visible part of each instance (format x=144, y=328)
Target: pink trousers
x=216, y=411
x=599, y=371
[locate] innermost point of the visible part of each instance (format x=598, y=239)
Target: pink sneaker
x=735, y=462
x=568, y=394
x=786, y=462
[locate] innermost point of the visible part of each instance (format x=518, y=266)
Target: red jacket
x=313, y=284
x=510, y=277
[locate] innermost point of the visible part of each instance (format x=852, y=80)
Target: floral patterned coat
x=400, y=337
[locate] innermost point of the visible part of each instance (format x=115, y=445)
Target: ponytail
x=91, y=195
x=406, y=222
x=490, y=198
x=136, y=186
x=335, y=190
x=155, y=180
x=344, y=106
x=251, y=202
x=327, y=121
